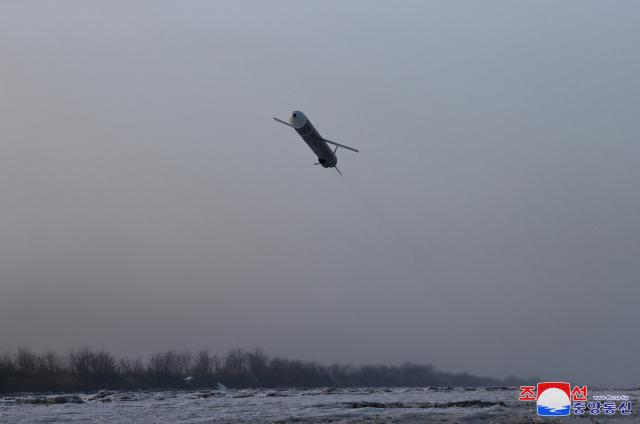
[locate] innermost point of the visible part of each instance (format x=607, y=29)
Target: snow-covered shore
x=284, y=406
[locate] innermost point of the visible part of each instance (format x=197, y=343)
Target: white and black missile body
x=326, y=156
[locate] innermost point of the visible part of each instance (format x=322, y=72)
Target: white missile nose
x=297, y=119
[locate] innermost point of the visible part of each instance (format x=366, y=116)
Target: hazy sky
x=491, y=222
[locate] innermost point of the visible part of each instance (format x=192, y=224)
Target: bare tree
x=51, y=363
x=204, y=365
x=26, y=361
x=130, y=367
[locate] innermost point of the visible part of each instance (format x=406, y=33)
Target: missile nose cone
x=297, y=119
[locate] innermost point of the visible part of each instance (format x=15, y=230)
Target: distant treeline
x=86, y=369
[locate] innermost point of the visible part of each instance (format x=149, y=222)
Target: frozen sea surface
x=351, y=405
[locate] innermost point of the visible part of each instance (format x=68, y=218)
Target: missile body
x=303, y=126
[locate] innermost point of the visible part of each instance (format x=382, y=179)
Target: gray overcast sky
x=491, y=222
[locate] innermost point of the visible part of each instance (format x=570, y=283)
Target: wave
x=546, y=411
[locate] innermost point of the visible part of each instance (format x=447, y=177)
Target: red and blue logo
x=554, y=399
x=559, y=399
